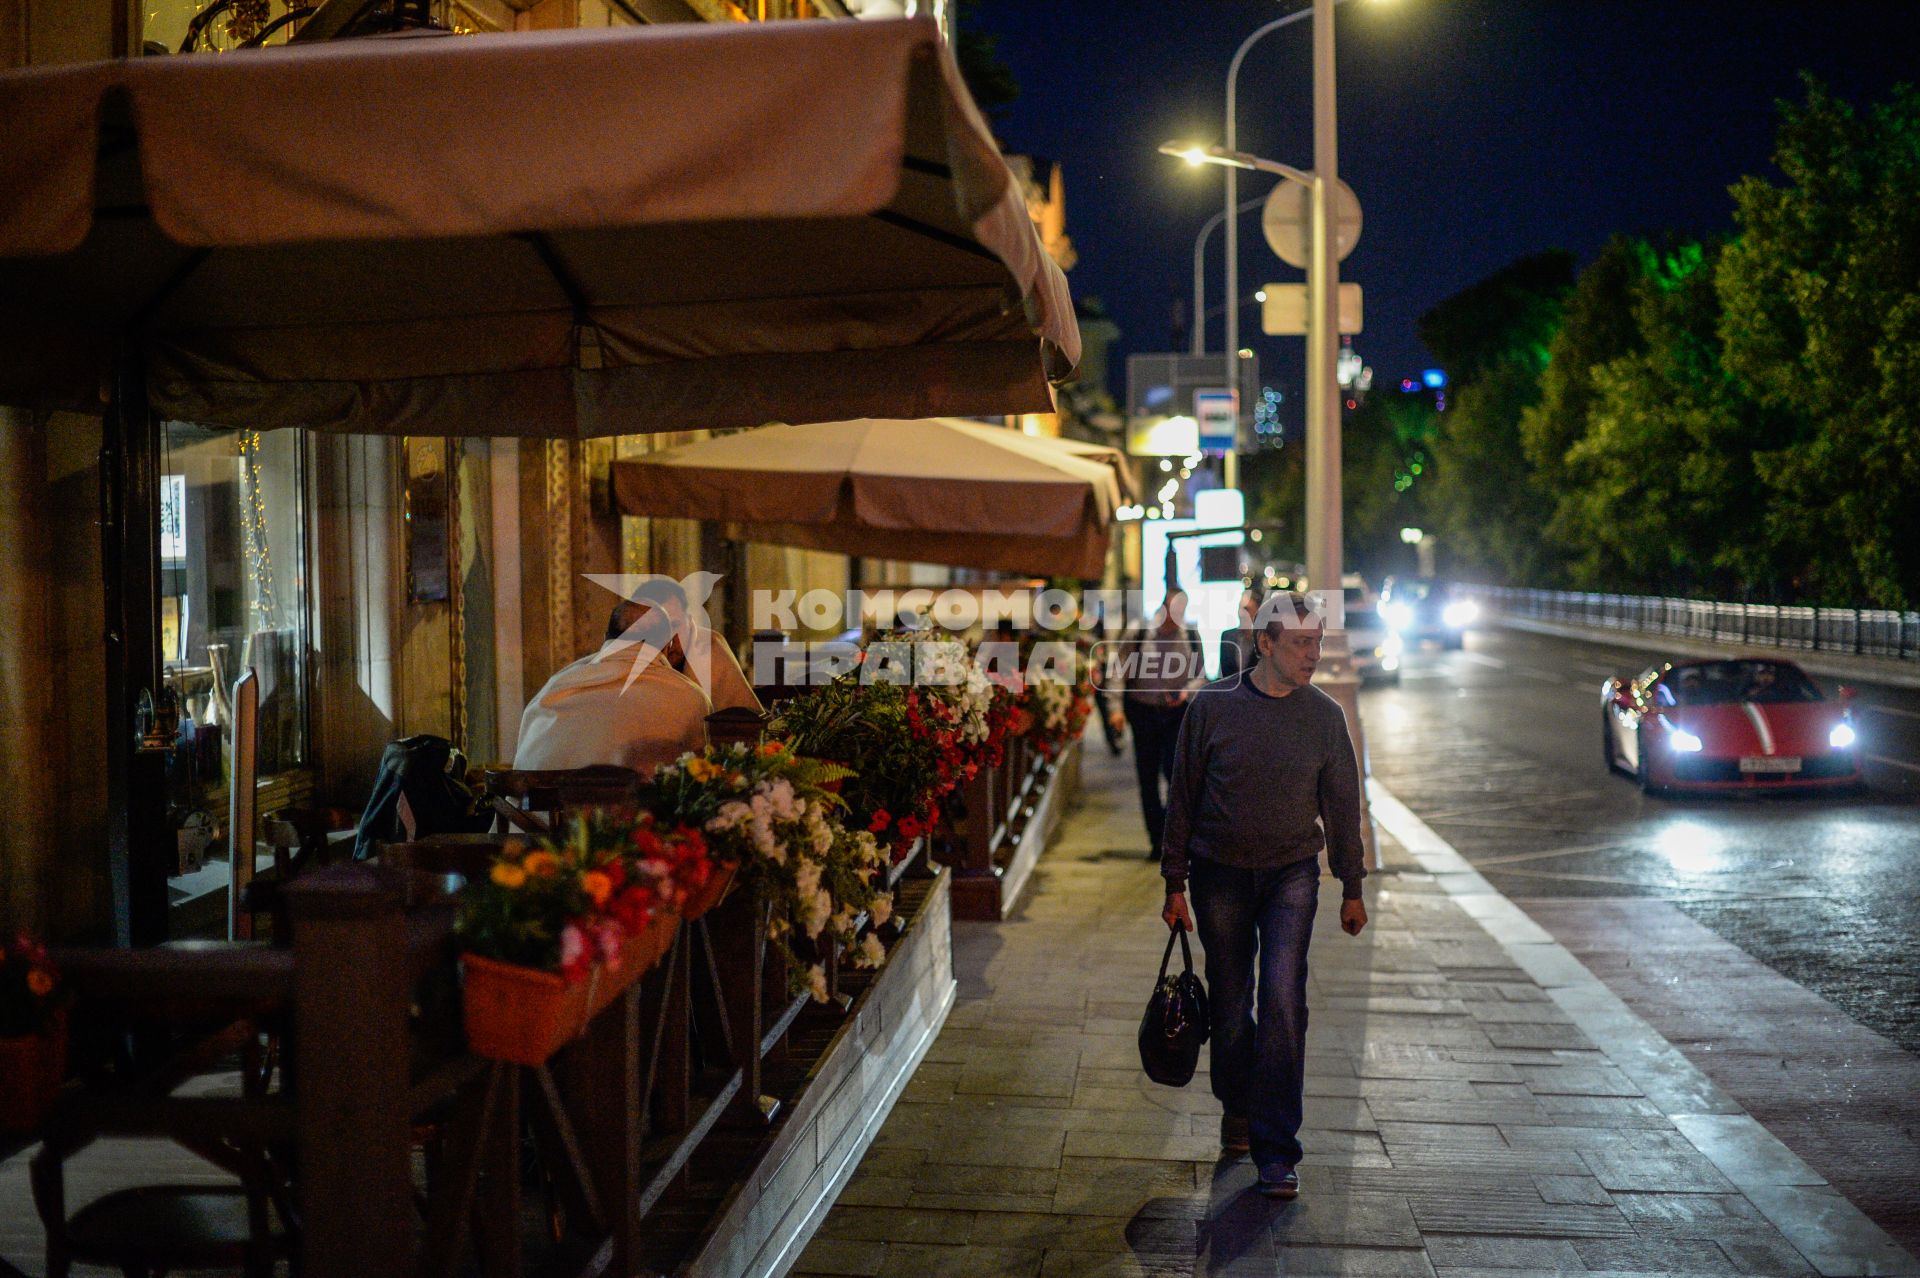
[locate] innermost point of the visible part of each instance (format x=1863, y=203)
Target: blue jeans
x=1259, y=1063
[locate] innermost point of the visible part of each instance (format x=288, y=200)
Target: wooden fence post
x=352, y=1057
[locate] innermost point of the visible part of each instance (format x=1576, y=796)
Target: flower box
x=711, y=893
x=523, y=1016
x=32, y=1067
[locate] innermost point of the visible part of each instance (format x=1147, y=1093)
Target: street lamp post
x=1232, y=468
x=1323, y=530
x=1199, y=343
x=1323, y=346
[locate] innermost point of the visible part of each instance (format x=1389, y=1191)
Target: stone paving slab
x=1477, y=1105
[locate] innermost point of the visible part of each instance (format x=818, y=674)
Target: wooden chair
x=539, y=802
x=736, y=724
x=202, y=1003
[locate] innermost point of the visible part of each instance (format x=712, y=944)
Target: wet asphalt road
x=1497, y=747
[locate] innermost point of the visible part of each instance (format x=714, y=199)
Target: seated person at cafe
x=601, y=709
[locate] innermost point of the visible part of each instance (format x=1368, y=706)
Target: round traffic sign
x=1287, y=221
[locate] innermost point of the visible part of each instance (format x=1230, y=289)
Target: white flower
x=819, y=910
x=730, y=815
x=882, y=908
x=806, y=877
x=780, y=799
x=817, y=983
x=870, y=952
x=842, y=919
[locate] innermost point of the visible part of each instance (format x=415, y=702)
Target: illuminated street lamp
x=1323, y=395
x=1323, y=523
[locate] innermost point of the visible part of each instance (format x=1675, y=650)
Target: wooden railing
x=363, y=1008
x=357, y=1072
x=987, y=820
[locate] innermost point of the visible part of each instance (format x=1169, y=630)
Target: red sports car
x=1747, y=724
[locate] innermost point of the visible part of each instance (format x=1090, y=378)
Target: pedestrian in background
x=1160, y=667
x=1264, y=777
x=1237, y=653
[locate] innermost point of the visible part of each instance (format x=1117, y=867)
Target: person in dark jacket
x=1264, y=777
x=1160, y=667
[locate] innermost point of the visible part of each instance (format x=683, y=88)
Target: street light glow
x=1194, y=156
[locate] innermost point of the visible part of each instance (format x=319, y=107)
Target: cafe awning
x=553, y=234
x=941, y=491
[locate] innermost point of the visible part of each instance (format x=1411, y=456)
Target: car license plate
x=1770, y=763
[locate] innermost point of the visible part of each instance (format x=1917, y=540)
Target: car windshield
x=1411, y=591
x=1356, y=595
x=1722, y=683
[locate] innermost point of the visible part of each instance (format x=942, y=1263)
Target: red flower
x=881, y=819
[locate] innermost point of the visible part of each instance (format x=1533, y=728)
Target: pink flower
x=573, y=945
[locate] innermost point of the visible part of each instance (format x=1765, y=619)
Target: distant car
x=1421, y=608
x=1750, y=724
x=1376, y=648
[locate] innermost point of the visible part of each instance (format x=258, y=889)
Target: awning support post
x=137, y=853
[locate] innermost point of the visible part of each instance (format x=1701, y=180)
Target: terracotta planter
x=32, y=1067
x=715, y=891
x=637, y=957
x=524, y=1016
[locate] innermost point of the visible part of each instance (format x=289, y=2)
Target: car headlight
x=1397, y=615
x=1842, y=737
x=1393, y=646
x=1459, y=613
x=1684, y=742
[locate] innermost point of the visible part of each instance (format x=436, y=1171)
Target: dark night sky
x=1473, y=132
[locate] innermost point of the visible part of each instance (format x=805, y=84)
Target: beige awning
x=940, y=491
x=557, y=233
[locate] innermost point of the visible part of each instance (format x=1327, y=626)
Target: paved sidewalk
x=1477, y=1104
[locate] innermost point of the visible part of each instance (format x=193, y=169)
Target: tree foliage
x=1722, y=416
x=1494, y=340
x=988, y=77
x=1821, y=321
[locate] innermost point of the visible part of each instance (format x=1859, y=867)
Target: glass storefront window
x=233, y=576
x=214, y=26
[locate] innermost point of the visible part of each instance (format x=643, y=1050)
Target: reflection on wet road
x=1497, y=747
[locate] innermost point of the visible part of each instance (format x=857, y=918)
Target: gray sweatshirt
x=1260, y=782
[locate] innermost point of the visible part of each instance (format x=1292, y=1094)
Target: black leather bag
x=1176, y=1021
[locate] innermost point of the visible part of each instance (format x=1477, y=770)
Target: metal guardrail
x=1866, y=632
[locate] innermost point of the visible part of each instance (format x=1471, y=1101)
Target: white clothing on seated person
x=589, y=713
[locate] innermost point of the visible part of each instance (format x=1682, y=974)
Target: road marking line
x=1517, y=857
x=1534, y=800
x=1894, y=763
x=1482, y=659
x=1591, y=668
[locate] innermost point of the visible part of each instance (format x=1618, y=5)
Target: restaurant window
x=215, y=26
x=233, y=574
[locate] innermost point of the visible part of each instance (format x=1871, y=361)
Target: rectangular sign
x=173, y=518
x=1284, y=314
x=1218, y=415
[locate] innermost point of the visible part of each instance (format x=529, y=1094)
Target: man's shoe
x=1282, y=1183
x=1234, y=1136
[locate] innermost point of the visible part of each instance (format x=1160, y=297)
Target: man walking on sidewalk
x=1264, y=776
